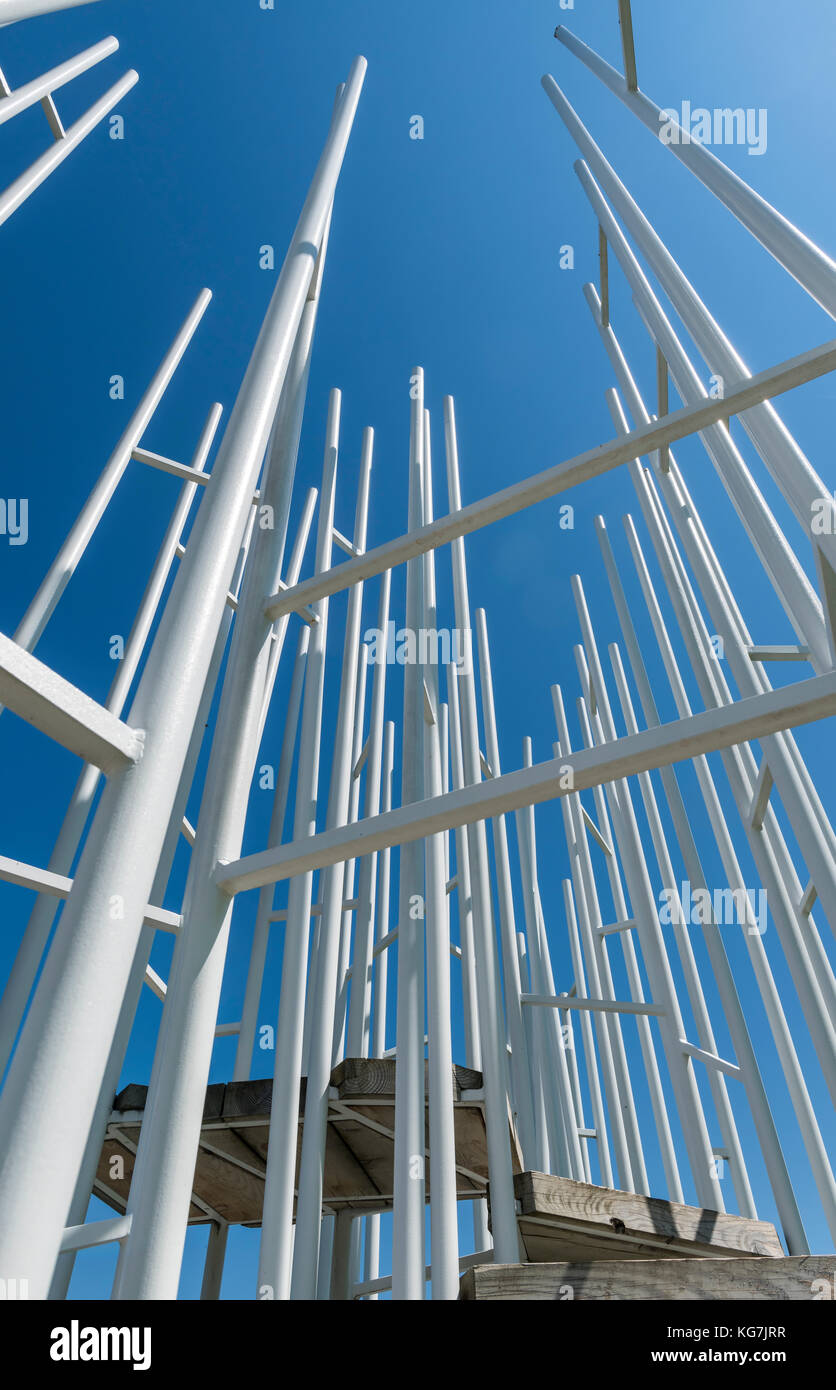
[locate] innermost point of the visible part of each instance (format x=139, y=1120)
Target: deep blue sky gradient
x=444, y=252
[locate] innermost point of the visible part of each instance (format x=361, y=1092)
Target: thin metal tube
x=409, y=1179
x=781, y=453
x=25, y=967
x=520, y=1084
x=324, y=989
x=360, y=1005
x=276, y=1249
x=800, y=257
x=26, y=183
x=491, y=1029
x=52, y=586
x=31, y=92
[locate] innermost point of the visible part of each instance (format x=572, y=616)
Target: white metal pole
x=444, y=1230
x=557, y=1099
x=276, y=1249
x=360, y=1006
x=592, y=1075
x=705, y=1033
x=491, y=1026
x=646, y=1039
x=63, y=567
x=408, y=1261
x=521, y=1084
x=625, y=938
x=781, y=453
x=671, y=1027
x=25, y=968
x=811, y=267
x=769, y=992
x=26, y=183
x=163, y=1173
x=261, y=931
x=814, y=985
x=473, y=1049
x=791, y=584
x=349, y=894
x=614, y=1071
x=13, y=10
x=732, y=1008
x=137, y=980
x=377, y=1045
x=32, y=92
x=66, y=1043
x=324, y=988
x=697, y=545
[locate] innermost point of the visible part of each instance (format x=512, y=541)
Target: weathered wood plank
x=789, y=1279
x=565, y=1220
x=359, y=1154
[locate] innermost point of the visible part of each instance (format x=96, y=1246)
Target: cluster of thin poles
x=41, y=90
x=568, y=1085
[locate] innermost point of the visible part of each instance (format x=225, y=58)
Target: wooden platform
x=789, y=1279
x=562, y=1220
x=229, y=1175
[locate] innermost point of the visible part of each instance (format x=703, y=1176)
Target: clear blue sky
x=444, y=252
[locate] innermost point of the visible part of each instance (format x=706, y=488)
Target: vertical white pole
x=349, y=895
x=671, y=1027
x=408, y=1217
x=276, y=1249
x=593, y=1079
x=324, y=989
x=25, y=968
x=769, y=992
x=261, y=932
x=491, y=1025
x=444, y=1230
x=359, y=1018
x=377, y=1045
x=521, y=1084
x=741, y=1041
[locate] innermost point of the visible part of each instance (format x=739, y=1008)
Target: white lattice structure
x=447, y=869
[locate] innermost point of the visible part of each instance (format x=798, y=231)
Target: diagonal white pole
x=810, y=266
x=62, y=1054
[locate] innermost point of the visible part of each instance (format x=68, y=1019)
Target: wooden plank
x=790, y=1279
x=359, y=1153
x=562, y=1219
x=375, y=1076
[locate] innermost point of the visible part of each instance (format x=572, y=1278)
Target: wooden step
x=561, y=1220
x=359, y=1155
x=797, y=1279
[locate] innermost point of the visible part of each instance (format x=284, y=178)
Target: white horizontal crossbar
x=612, y=927
x=166, y=465
x=773, y=653
x=710, y=1059
x=660, y=746
x=604, y=1006
x=592, y=464
x=95, y=1233
x=57, y=886
x=32, y=92
x=63, y=712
